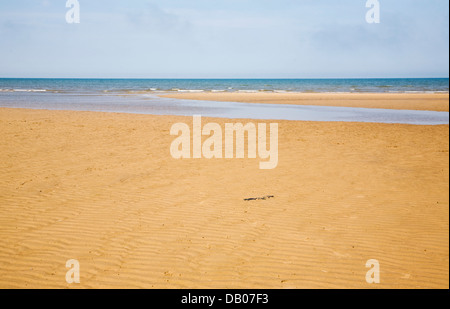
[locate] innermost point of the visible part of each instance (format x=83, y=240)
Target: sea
x=399, y=85
x=141, y=96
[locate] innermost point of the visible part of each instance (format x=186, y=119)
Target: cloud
x=153, y=18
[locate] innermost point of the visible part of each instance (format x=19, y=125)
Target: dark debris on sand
x=259, y=198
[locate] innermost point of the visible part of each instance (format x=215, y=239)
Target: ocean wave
x=24, y=90
x=155, y=90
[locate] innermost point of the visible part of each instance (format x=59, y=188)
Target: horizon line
x=224, y=78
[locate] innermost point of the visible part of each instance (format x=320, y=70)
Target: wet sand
x=102, y=188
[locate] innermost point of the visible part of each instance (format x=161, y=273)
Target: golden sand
x=423, y=101
x=102, y=188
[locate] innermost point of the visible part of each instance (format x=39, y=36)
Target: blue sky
x=224, y=39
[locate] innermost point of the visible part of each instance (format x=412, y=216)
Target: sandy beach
x=403, y=101
x=102, y=188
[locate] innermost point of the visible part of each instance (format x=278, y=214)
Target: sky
x=224, y=39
